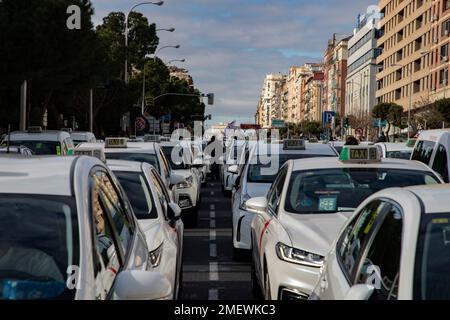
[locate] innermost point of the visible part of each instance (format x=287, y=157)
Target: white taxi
x=67, y=231
x=158, y=217
x=180, y=157
x=79, y=137
x=433, y=148
x=234, y=155
x=150, y=152
x=306, y=206
x=395, y=150
x=254, y=179
x=42, y=142
x=395, y=247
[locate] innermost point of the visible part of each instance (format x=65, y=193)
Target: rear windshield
x=403, y=154
x=139, y=194
x=40, y=147
x=432, y=277
x=38, y=247
x=258, y=172
x=138, y=157
x=337, y=190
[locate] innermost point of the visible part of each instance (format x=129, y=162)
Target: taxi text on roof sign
x=97, y=152
x=35, y=130
x=294, y=144
x=360, y=154
x=116, y=142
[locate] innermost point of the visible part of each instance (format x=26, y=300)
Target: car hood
x=257, y=189
x=314, y=233
x=153, y=232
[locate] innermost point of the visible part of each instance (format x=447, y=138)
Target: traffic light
x=210, y=99
x=346, y=123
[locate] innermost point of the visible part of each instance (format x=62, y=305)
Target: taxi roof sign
x=116, y=142
x=294, y=144
x=360, y=154
x=96, y=152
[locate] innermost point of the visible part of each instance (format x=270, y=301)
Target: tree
x=443, y=107
x=312, y=128
x=390, y=112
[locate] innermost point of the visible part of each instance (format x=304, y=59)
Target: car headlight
x=298, y=256
x=185, y=184
x=155, y=256
x=244, y=199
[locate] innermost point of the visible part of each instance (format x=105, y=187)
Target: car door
x=340, y=271
x=131, y=244
x=177, y=231
x=263, y=231
x=379, y=265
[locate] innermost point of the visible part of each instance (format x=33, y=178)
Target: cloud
x=230, y=45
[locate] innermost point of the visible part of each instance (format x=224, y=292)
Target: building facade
x=405, y=41
x=361, y=84
x=335, y=74
x=313, y=96
x=269, y=106
x=439, y=51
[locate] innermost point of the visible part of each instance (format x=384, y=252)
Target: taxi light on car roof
x=294, y=144
x=360, y=154
x=152, y=138
x=34, y=129
x=98, y=153
x=116, y=142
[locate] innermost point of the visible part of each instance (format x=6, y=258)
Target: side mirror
x=173, y=211
x=141, y=285
x=359, y=292
x=175, y=179
x=233, y=169
x=257, y=205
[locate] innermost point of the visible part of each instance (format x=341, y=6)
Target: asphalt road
x=209, y=271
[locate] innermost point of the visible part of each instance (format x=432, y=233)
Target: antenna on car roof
x=9, y=138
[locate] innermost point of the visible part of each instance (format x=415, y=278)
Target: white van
x=433, y=148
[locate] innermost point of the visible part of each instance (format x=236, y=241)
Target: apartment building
x=293, y=94
x=439, y=49
x=269, y=106
x=406, y=39
x=335, y=73
x=313, y=96
x=361, y=84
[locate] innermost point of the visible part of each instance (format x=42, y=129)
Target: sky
x=230, y=45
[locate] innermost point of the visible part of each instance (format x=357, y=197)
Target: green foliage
x=443, y=107
x=312, y=128
x=62, y=65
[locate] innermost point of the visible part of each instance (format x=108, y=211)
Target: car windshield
x=137, y=157
x=432, y=279
x=258, y=172
x=38, y=247
x=40, y=147
x=176, y=162
x=139, y=194
x=337, y=190
x=403, y=154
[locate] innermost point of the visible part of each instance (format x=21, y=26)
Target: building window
x=446, y=5
x=443, y=76
x=446, y=27
x=444, y=52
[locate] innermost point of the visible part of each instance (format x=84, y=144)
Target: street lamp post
x=159, y=3
x=143, y=81
x=166, y=29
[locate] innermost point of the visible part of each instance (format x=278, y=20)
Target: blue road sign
x=327, y=118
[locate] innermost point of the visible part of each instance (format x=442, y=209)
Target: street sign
x=404, y=121
x=327, y=119
x=378, y=123
x=277, y=123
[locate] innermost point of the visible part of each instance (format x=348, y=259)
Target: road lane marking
x=212, y=223
x=213, y=294
x=212, y=207
x=212, y=193
x=213, y=214
x=212, y=235
x=213, y=271
x=213, y=250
